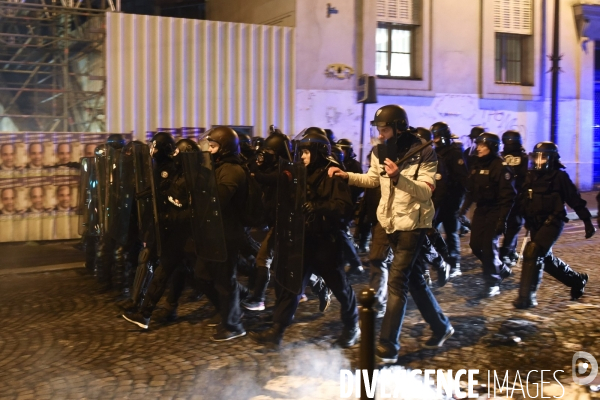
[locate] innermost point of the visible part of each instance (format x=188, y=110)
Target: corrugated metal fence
x=169, y=72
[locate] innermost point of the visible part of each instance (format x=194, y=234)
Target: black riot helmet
x=184, y=146
x=330, y=135
x=275, y=146
x=314, y=140
x=187, y=146
x=391, y=115
x=424, y=133
x=227, y=139
x=441, y=134
x=245, y=144
x=257, y=142
x=491, y=140
x=346, y=145
x=116, y=141
x=337, y=153
x=511, y=137
x=545, y=157
x=278, y=144
x=475, y=132
x=162, y=146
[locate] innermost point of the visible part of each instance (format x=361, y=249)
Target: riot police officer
x=515, y=157
x=405, y=212
x=328, y=202
x=491, y=187
x=109, y=155
x=246, y=148
x=470, y=153
x=545, y=191
x=232, y=185
x=266, y=172
x=174, y=214
x=450, y=192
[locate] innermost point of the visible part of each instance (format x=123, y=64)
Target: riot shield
x=88, y=205
x=111, y=188
x=101, y=179
x=125, y=193
x=207, y=223
x=146, y=201
x=289, y=240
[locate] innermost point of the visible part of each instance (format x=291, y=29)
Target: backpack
x=253, y=215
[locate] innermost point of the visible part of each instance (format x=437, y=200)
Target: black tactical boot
x=531, y=276
x=577, y=290
x=270, y=337
x=349, y=337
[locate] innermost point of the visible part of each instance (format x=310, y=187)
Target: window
x=509, y=58
x=397, y=39
x=513, y=29
x=394, y=51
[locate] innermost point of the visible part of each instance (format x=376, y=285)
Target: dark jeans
x=380, y=257
x=405, y=277
x=321, y=259
x=448, y=218
x=484, y=243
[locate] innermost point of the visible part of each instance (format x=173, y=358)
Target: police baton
x=526, y=240
x=410, y=154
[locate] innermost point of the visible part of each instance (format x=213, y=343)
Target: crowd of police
x=165, y=214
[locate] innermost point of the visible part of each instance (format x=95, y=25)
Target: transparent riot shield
x=207, y=223
x=101, y=179
x=289, y=240
x=148, y=221
x=88, y=205
x=111, y=188
x=125, y=193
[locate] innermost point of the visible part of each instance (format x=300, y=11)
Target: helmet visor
x=203, y=141
x=539, y=161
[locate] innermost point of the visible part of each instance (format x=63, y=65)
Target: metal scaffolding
x=52, y=73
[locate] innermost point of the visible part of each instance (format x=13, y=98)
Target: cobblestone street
x=61, y=339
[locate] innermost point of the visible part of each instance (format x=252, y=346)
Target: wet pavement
x=62, y=339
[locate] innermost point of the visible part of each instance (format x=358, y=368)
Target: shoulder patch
x=164, y=174
x=461, y=161
x=507, y=176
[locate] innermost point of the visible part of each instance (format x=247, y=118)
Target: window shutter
x=399, y=11
x=513, y=16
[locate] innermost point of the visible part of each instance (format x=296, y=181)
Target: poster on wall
x=39, y=183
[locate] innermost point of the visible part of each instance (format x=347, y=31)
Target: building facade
x=468, y=63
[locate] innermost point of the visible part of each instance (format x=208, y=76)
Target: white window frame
x=530, y=88
x=420, y=82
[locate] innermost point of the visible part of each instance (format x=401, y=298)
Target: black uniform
x=449, y=195
x=542, y=201
x=177, y=248
x=224, y=291
x=491, y=187
x=331, y=197
x=517, y=160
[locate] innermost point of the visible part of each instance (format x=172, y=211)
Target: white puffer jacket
x=406, y=206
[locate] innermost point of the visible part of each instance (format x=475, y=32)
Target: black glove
x=500, y=227
x=589, y=228
x=308, y=207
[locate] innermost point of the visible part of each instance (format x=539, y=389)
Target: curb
x=45, y=268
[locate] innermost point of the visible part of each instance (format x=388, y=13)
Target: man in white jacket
x=405, y=212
